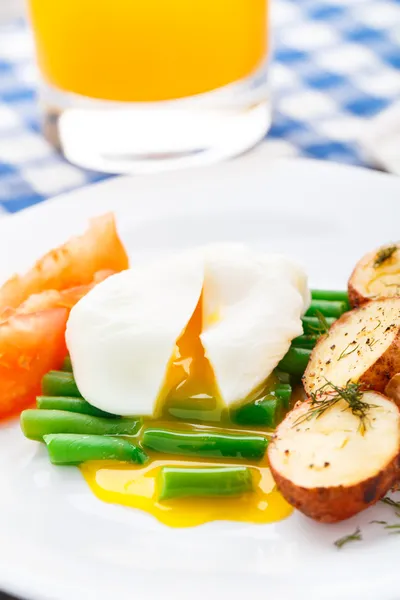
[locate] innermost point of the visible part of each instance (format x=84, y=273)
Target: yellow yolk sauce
x=190, y=381
x=137, y=487
x=192, y=396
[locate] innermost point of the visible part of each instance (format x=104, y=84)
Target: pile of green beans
x=325, y=308
x=74, y=431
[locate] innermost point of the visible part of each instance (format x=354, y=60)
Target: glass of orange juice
x=146, y=85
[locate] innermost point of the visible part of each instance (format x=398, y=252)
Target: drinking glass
x=147, y=85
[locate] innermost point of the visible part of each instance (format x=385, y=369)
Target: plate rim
x=14, y=584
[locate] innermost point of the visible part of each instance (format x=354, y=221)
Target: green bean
x=305, y=341
x=331, y=295
x=313, y=325
x=205, y=443
x=282, y=377
x=67, y=365
x=327, y=308
x=194, y=415
x=295, y=361
x=263, y=411
x=283, y=391
x=181, y=482
x=37, y=423
x=60, y=383
x=72, y=449
x=266, y=410
x=77, y=405
x=207, y=409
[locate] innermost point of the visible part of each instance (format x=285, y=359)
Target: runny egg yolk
x=190, y=392
x=190, y=375
x=137, y=488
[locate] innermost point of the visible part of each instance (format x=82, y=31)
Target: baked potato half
x=333, y=465
x=376, y=275
x=363, y=346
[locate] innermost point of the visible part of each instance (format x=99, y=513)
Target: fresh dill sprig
x=384, y=254
x=347, y=350
x=329, y=394
x=394, y=528
x=323, y=323
x=323, y=326
x=352, y=537
x=391, y=502
x=370, y=342
x=378, y=522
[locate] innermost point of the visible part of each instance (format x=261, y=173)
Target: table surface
x=336, y=65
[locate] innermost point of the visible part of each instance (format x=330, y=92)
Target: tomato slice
x=34, y=309
x=55, y=299
x=71, y=265
x=32, y=342
x=30, y=346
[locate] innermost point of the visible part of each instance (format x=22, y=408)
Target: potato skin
x=356, y=298
x=392, y=389
x=330, y=505
x=379, y=374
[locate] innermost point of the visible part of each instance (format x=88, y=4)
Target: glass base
x=117, y=137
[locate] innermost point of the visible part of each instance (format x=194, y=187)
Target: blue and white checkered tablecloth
x=337, y=64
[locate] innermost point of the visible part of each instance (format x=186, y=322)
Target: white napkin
x=382, y=139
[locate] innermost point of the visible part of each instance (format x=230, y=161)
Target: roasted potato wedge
x=333, y=466
x=376, y=275
x=362, y=346
x=392, y=390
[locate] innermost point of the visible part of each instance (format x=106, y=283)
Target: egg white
x=122, y=335
x=252, y=306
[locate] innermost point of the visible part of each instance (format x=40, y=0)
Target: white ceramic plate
x=57, y=541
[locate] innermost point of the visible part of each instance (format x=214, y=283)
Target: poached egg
x=214, y=320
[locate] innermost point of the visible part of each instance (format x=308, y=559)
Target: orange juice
x=148, y=50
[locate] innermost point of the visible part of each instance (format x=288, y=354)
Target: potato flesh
x=386, y=284
x=333, y=450
x=382, y=281
x=354, y=344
